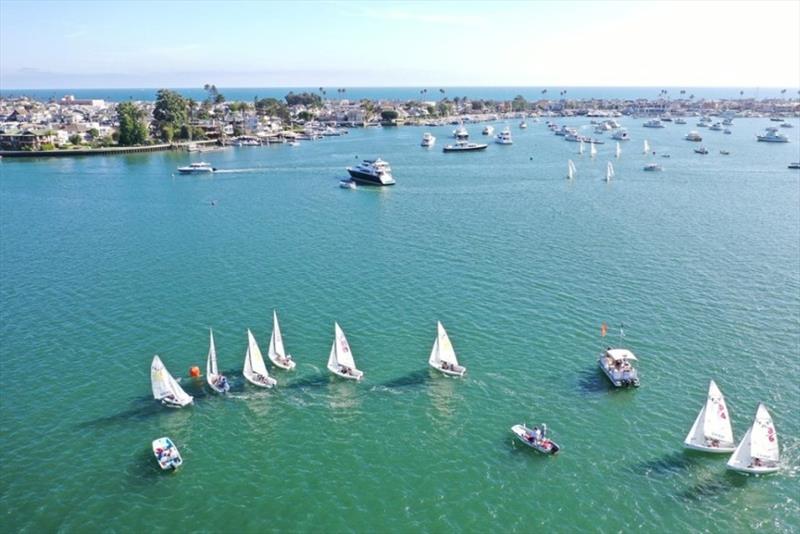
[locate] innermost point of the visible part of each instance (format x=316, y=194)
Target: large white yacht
x=504, y=137
x=653, y=123
x=200, y=167
x=464, y=146
x=621, y=134
x=428, y=140
x=461, y=133
x=693, y=136
x=772, y=136
x=372, y=172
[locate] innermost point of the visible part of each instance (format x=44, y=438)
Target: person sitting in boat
x=222, y=382
x=714, y=443
x=345, y=370
x=169, y=398
x=445, y=366
x=757, y=462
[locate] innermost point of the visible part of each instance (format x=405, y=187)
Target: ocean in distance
x=413, y=93
x=105, y=261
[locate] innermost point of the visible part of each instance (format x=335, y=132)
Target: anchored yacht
x=372, y=172
x=772, y=136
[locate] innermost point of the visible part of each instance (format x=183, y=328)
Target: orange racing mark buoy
x=194, y=371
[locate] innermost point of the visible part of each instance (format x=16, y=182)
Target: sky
x=110, y=44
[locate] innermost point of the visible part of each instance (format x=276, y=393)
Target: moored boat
x=428, y=140
x=693, y=136
x=653, y=167
x=167, y=454
x=372, y=172
x=464, y=146
x=771, y=135
x=504, y=137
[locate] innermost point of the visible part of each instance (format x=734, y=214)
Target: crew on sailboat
x=222, y=383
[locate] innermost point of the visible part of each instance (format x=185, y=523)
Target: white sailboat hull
x=264, y=382
x=352, y=374
x=453, y=370
x=171, y=402
x=287, y=366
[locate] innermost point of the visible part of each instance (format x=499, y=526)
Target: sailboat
x=165, y=388
x=443, y=356
x=619, y=150
x=217, y=381
x=646, y=147
x=609, y=172
x=254, y=369
x=571, y=172
x=277, y=354
x=580, y=148
x=340, y=360
x=758, y=452
x=711, y=431
x=592, y=150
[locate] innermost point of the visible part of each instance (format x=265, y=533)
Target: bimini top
x=620, y=354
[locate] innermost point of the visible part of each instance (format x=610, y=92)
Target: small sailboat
x=167, y=454
x=254, y=369
x=646, y=149
x=580, y=148
x=711, y=431
x=619, y=150
x=215, y=380
x=536, y=438
x=609, y=172
x=165, y=388
x=571, y=171
x=340, y=360
x=277, y=354
x=443, y=356
x=758, y=452
x=592, y=150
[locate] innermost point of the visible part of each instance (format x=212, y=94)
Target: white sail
x=444, y=349
x=570, y=170
x=580, y=148
x=592, y=150
x=211, y=361
x=164, y=385
x=253, y=360
x=717, y=422
x=342, y=353
x=763, y=437
x=646, y=147
x=619, y=150
x=609, y=172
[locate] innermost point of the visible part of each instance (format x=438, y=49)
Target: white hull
x=291, y=365
x=455, y=370
x=266, y=382
x=353, y=374
x=617, y=377
x=545, y=446
x=167, y=454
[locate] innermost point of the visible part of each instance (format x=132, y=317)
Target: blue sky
x=250, y=44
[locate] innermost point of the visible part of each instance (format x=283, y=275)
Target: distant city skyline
x=339, y=44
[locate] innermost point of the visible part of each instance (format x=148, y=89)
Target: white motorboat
x=461, y=133
x=372, y=172
x=711, y=431
x=653, y=167
x=694, y=136
x=165, y=388
x=616, y=364
x=758, y=452
x=167, y=454
x=488, y=130
x=504, y=137
x=428, y=140
x=255, y=371
x=347, y=184
x=571, y=171
x=443, y=356
x=621, y=135
x=536, y=438
x=653, y=123
x=201, y=167
x=464, y=146
x=702, y=150
x=215, y=379
x=524, y=125
x=276, y=352
x=772, y=136
x=340, y=360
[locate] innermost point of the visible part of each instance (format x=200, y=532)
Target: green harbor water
x=106, y=261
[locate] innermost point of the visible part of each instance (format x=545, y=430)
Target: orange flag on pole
x=603, y=329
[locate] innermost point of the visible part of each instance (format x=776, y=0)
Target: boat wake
x=234, y=171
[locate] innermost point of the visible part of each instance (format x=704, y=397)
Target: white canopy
x=620, y=354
